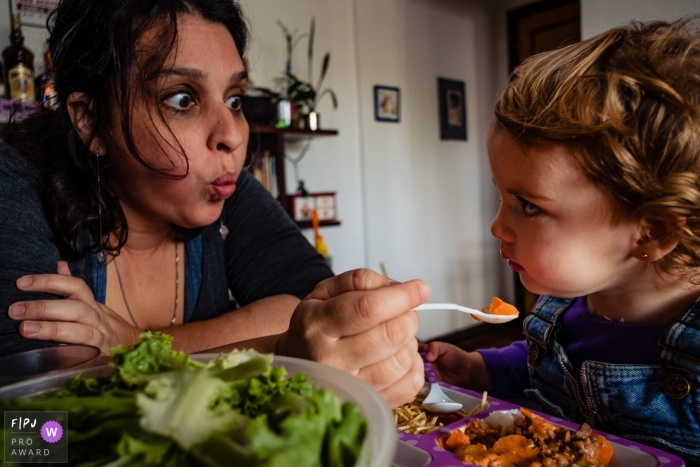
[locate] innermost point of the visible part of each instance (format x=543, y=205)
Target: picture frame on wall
x=387, y=104
x=453, y=109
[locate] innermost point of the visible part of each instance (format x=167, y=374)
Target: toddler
x=595, y=151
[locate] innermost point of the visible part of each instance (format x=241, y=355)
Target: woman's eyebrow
x=192, y=73
x=199, y=75
x=236, y=78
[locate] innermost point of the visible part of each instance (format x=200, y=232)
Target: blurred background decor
x=453, y=115
x=33, y=12
x=387, y=104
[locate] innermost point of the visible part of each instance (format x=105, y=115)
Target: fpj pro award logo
x=37, y=437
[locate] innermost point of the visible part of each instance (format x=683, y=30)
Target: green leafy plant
x=301, y=92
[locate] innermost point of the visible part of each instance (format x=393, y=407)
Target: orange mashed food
x=498, y=307
x=530, y=442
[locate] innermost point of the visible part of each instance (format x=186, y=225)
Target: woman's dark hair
x=96, y=49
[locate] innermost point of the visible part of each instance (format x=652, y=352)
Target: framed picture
x=453, y=111
x=387, y=104
x=304, y=206
x=33, y=12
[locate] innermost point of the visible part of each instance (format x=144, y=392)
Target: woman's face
x=199, y=93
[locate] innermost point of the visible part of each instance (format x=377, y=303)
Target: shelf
x=274, y=140
x=292, y=133
x=307, y=224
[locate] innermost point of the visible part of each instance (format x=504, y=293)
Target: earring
x=645, y=256
x=223, y=230
x=102, y=254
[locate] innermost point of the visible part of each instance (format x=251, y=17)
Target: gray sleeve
x=26, y=247
x=265, y=253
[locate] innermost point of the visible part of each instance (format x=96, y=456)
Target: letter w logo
x=52, y=432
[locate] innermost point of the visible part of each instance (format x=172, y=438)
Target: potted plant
x=304, y=95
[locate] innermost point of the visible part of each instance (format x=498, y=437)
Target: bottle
x=43, y=85
x=301, y=189
x=19, y=62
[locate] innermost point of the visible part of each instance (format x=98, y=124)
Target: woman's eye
x=235, y=102
x=179, y=101
x=529, y=209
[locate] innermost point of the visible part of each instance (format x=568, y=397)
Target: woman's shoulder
x=20, y=186
x=15, y=168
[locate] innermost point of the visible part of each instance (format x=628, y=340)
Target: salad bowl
x=379, y=446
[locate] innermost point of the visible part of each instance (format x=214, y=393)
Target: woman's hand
x=365, y=324
x=76, y=319
x=458, y=367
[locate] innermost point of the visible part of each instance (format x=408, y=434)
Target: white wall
x=425, y=198
x=600, y=15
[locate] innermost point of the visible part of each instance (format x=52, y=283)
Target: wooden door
x=533, y=29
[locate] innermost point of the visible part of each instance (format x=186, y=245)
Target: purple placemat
x=442, y=458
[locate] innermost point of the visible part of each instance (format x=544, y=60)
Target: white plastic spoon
x=436, y=400
x=485, y=317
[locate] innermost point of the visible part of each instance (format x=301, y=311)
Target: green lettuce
x=161, y=408
x=153, y=354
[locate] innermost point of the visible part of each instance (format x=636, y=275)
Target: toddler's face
x=555, y=226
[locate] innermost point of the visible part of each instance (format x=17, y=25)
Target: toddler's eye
x=179, y=101
x=529, y=209
x=235, y=102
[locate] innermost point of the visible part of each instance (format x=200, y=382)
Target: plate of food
x=154, y=406
x=490, y=431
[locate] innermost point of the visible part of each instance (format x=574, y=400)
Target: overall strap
x=539, y=325
x=681, y=339
x=680, y=357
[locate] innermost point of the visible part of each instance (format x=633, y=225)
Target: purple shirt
x=584, y=337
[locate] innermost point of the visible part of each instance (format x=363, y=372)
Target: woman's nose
x=229, y=130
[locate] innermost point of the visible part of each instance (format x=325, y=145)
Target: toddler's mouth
x=513, y=265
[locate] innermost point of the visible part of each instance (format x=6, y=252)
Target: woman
x=129, y=203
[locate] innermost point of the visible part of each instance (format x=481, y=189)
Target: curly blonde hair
x=626, y=103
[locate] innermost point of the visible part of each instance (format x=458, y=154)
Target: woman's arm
x=26, y=244
x=362, y=323
x=264, y=317
x=359, y=321
x=80, y=319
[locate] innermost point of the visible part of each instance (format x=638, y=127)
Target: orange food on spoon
x=498, y=307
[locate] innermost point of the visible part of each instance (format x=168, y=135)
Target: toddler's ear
x=660, y=234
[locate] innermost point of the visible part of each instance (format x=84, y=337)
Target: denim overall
x=658, y=405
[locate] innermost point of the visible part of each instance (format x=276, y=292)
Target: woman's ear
x=80, y=112
x=659, y=236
